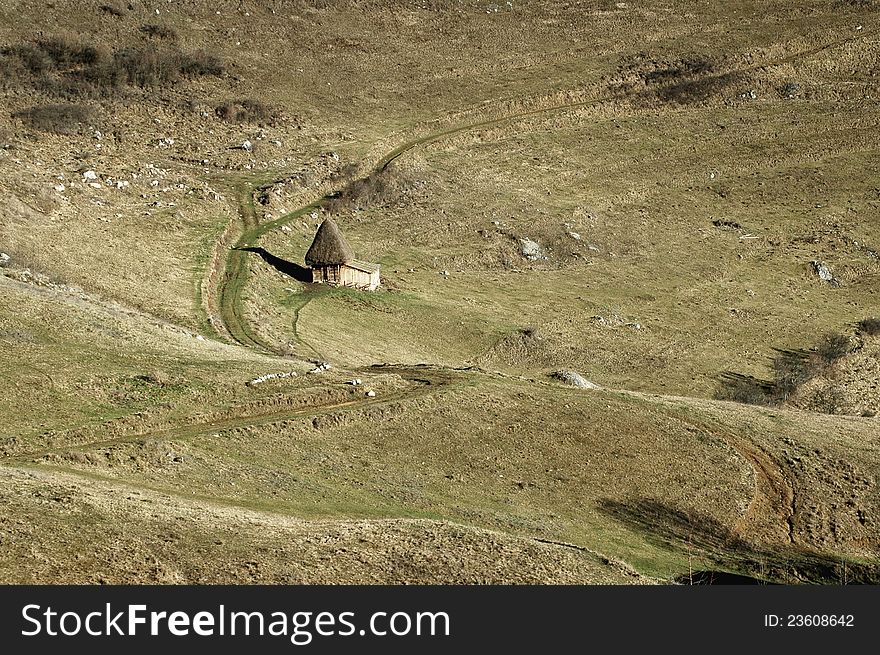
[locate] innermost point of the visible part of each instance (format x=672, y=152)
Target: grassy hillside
x=645, y=194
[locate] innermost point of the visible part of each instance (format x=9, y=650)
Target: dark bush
x=744, y=389
x=61, y=119
x=160, y=31
x=832, y=347
x=870, y=326
x=678, y=70
x=62, y=67
x=379, y=187
x=244, y=110
x=695, y=91
x=112, y=9
x=829, y=401
x=791, y=368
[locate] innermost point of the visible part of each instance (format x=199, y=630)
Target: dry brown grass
x=640, y=179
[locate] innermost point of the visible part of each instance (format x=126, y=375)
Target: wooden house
x=332, y=261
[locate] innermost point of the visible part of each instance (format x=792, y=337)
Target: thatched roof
x=329, y=247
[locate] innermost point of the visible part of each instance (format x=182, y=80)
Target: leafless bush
x=379, y=187
x=744, y=389
x=61, y=119
x=832, y=347
x=870, y=326
x=66, y=67
x=113, y=10
x=829, y=400
x=245, y=110
x=791, y=369
x=160, y=31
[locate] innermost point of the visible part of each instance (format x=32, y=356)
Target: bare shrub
x=112, y=9
x=832, y=348
x=60, y=119
x=790, y=370
x=245, y=110
x=869, y=326
x=829, y=400
x=689, y=92
x=160, y=31
x=61, y=66
x=379, y=187
x=744, y=389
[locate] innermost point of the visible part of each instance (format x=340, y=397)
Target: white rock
x=371, y=394
x=59, y=188
x=95, y=185
x=90, y=175
x=247, y=146
x=530, y=249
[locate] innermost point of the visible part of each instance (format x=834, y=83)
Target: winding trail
x=770, y=511
x=232, y=282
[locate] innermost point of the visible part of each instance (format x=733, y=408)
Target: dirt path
x=424, y=379
x=230, y=285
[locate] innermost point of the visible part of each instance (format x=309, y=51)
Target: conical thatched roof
x=329, y=247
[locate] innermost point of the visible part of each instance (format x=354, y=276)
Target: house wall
x=345, y=276
x=361, y=279
x=329, y=274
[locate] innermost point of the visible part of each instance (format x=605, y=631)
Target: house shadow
x=297, y=272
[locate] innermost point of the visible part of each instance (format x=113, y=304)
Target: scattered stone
x=531, y=250
x=575, y=379
x=824, y=272
x=371, y=394
x=59, y=188
x=95, y=185
x=575, y=236
x=272, y=376
x=90, y=176
x=4, y=259
x=247, y=146
x=354, y=382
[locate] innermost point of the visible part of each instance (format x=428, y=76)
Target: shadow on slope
x=704, y=537
x=297, y=272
